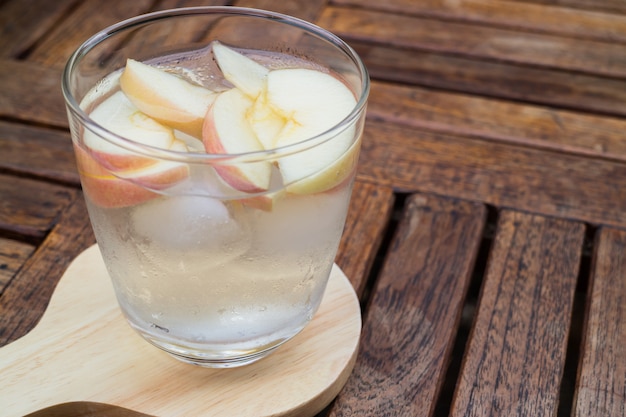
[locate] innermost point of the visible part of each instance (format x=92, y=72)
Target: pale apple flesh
x=165, y=97
x=119, y=116
x=110, y=191
x=328, y=102
x=227, y=131
x=290, y=106
x=265, y=110
x=113, y=176
x=244, y=73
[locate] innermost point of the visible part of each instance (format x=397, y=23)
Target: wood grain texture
x=31, y=93
x=541, y=86
x=174, y=34
x=23, y=23
x=534, y=180
x=84, y=21
x=86, y=409
x=174, y=4
x=601, y=385
x=476, y=41
x=308, y=10
x=533, y=126
x=36, y=280
x=521, y=325
x=261, y=35
x=370, y=212
x=510, y=14
x=411, y=321
x=30, y=208
x=84, y=350
x=38, y=152
x=13, y=254
x=610, y=6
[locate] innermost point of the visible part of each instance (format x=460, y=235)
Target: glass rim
x=160, y=153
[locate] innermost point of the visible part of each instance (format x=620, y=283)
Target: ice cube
x=298, y=222
x=189, y=233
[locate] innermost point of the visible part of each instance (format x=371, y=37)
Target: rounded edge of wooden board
x=311, y=368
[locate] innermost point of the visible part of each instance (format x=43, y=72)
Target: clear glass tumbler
x=217, y=147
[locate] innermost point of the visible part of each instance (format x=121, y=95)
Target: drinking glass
x=206, y=265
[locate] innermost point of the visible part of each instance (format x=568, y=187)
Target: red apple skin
x=109, y=191
x=231, y=174
x=121, y=162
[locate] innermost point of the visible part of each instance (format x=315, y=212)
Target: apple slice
x=329, y=177
x=192, y=143
x=160, y=175
x=250, y=78
x=110, y=191
x=228, y=131
x=244, y=73
x=315, y=102
x=166, y=97
x=290, y=106
x=113, y=176
x=118, y=115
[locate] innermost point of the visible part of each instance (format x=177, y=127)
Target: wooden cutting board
x=83, y=357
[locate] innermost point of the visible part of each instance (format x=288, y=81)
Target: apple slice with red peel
x=160, y=175
x=250, y=77
x=110, y=191
x=118, y=115
x=113, y=176
x=228, y=131
x=290, y=106
x=166, y=97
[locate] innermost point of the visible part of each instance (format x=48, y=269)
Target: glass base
x=231, y=362
x=214, y=358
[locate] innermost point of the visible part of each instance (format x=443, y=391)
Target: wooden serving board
x=84, y=356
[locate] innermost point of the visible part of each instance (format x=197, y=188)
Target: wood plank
x=178, y=32
x=84, y=21
x=542, y=86
x=610, y=6
x=510, y=14
x=476, y=41
x=175, y=4
x=30, y=208
x=31, y=93
x=308, y=10
x=154, y=41
x=601, y=385
x=370, y=212
x=13, y=254
x=38, y=152
x=504, y=175
x=260, y=35
x=25, y=299
x=23, y=23
x=516, y=351
x=186, y=32
x=536, y=126
x=86, y=409
x=159, y=40
x=411, y=322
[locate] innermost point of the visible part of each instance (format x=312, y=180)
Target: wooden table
x=486, y=237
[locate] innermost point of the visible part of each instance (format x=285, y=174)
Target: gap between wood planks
x=575, y=334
